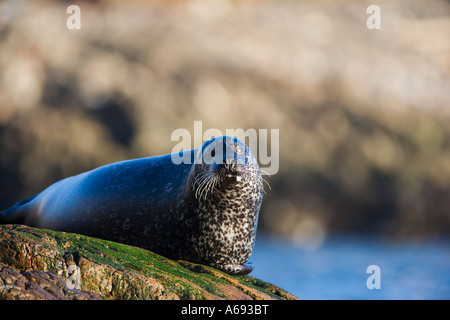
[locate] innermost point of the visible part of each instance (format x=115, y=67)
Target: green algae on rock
x=32, y=258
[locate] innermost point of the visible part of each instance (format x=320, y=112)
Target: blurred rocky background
x=364, y=115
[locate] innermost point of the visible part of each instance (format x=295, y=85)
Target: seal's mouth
x=230, y=171
x=233, y=177
x=221, y=175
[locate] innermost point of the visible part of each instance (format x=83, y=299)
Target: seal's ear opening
x=15, y=214
x=25, y=201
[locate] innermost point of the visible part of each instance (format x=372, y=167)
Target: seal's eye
x=213, y=153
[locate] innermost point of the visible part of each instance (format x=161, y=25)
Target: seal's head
x=227, y=190
x=224, y=162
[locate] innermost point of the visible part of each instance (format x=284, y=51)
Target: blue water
x=337, y=269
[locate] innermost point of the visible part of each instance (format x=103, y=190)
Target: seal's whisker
x=205, y=183
x=202, y=182
x=198, y=183
x=204, y=173
x=262, y=186
x=215, y=179
x=204, y=193
x=201, y=176
x=209, y=186
x=270, y=188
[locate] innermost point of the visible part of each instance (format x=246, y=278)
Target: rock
x=37, y=285
x=44, y=264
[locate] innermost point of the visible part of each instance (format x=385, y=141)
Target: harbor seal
x=205, y=211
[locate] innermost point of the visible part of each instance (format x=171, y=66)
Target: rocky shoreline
x=42, y=264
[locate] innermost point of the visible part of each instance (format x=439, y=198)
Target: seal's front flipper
x=246, y=268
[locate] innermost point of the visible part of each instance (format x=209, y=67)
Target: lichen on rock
x=37, y=264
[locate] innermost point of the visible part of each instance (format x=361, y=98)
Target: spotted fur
x=217, y=227
x=227, y=218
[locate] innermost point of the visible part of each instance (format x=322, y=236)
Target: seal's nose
x=233, y=166
x=227, y=154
